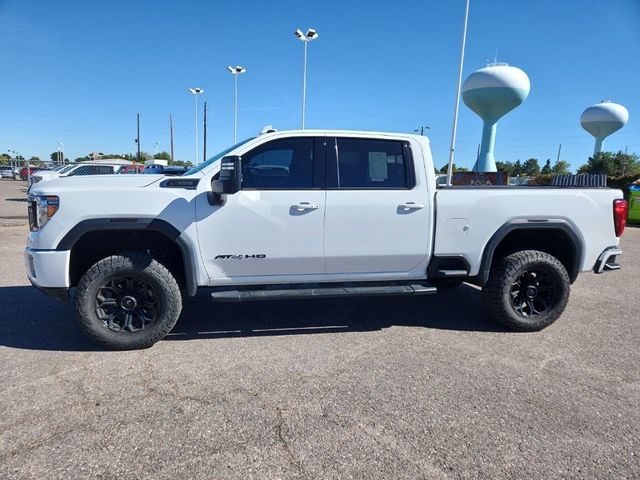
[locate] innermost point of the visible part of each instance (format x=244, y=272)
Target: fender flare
x=129, y=223
x=537, y=223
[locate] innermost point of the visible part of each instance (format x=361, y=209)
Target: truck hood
x=93, y=183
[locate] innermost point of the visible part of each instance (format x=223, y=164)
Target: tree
x=612, y=164
x=517, y=169
x=162, y=156
x=547, y=170
x=4, y=159
x=506, y=167
x=561, y=168
x=56, y=156
x=531, y=167
x=181, y=163
x=454, y=168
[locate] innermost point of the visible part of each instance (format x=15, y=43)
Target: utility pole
x=204, y=137
x=559, y=150
x=171, y=135
x=138, y=138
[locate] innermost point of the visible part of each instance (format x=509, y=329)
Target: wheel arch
x=535, y=233
x=142, y=229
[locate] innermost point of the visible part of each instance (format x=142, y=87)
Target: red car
x=23, y=172
x=128, y=169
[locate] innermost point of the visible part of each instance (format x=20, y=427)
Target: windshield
x=66, y=169
x=216, y=157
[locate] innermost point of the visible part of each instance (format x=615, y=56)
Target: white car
x=310, y=214
x=6, y=172
x=78, y=169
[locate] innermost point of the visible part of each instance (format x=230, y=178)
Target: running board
x=321, y=292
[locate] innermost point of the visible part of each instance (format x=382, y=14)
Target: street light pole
x=196, y=91
x=457, y=104
x=306, y=38
x=422, y=129
x=235, y=71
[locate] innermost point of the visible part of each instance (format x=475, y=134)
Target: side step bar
x=278, y=292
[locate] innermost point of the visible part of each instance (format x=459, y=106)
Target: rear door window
x=373, y=164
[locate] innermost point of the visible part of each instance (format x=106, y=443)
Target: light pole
x=26, y=164
x=454, y=129
x=61, y=150
x=310, y=35
x=422, y=129
x=16, y=163
x=196, y=91
x=235, y=71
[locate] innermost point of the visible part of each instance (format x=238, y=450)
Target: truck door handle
x=411, y=206
x=305, y=206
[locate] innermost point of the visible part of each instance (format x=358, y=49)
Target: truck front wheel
x=128, y=301
x=527, y=291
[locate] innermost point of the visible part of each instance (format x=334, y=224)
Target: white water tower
x=492, y=92
x=602, y=119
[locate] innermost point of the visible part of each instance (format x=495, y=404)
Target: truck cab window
x=279, y=165
x=375, y=164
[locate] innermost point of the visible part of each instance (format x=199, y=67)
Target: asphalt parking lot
x=355, y=388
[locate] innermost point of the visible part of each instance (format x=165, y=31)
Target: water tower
x=492, y=92
x=602, y=119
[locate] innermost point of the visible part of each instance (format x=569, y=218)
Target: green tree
x=561, y=168
x=162, y=156
x=547, y=170
x=612, y=164
x=517, y=169
x=531, y=167
x=506, y=167
x=4, y=159
x=454, y=168
x=181, y=163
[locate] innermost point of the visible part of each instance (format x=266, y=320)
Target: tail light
x=620, y=212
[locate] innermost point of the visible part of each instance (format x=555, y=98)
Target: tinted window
x=364, y=163
x=280, y=164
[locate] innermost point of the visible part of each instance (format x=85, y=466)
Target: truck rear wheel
x=128, y=301
x=527, y=291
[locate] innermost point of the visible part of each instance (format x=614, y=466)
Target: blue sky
x=79, y=71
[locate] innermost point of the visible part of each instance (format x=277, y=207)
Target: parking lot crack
x=282, y=440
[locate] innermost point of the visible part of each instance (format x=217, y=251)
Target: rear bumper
x=607, y=260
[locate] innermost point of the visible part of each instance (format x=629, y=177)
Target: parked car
x=6, y=172
x=171, y=171
x=306, y=214
x=132, y=169
x=24, y=172
x=81, y=169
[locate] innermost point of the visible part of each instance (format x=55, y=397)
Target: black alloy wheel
x=126, y=303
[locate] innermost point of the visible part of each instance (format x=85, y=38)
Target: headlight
x=41, y=209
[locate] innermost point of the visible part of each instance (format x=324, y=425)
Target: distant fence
x=580, y=180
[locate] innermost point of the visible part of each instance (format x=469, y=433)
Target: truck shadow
x=29, y=320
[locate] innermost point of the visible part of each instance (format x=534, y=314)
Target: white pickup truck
x=309, y=214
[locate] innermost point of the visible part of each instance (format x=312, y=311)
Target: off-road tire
x=504, y=277
x=144, y=267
